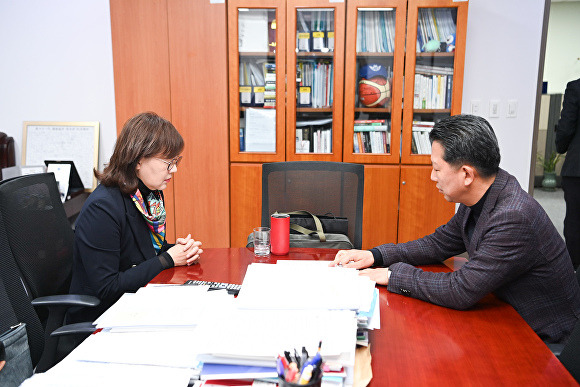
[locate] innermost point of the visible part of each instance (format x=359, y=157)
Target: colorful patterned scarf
x=155, y=216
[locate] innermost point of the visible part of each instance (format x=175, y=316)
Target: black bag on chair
x=329, y=223
x=308, y=230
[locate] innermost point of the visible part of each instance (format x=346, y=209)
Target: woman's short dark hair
x=470, y=140
x=144, y=135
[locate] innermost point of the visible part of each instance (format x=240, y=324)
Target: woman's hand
x=186, y=251
x=359, y=259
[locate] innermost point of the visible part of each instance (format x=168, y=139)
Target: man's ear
x=469, y=173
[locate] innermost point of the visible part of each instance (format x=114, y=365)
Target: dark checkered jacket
x=515, y=253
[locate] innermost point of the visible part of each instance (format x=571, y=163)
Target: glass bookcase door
x=374, y=77
x=316, y=127
x=438, y=47
x=435, y=54
x=257, y=106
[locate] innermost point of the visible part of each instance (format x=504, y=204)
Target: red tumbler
x=280, y=233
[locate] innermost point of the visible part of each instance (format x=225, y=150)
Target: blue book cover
x=242, y=140
x=214, y=371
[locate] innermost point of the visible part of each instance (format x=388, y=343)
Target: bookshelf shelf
x=257, y=54
x=432, y=111
x=436, y=54
x=315, y=54
x=313, y=110
x=372, y=110
x=375, y=54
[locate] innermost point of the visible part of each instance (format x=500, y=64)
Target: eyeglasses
x=170, y=164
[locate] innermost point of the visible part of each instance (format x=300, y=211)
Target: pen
x=304, y=357
x=297, y=358
x=280, y=367
x=287, y=355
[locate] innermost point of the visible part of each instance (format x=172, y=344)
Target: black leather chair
x=37, y=258
x=319, y=187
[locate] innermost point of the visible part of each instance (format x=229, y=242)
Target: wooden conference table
x=420, y=343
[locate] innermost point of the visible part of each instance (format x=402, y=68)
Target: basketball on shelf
x=374, y=89
x=374, y=92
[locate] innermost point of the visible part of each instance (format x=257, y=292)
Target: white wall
x=57, y=65
x=502, y=63
x=562, y=46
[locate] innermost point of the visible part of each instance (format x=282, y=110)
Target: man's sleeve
x=499, y=258
x=569, y=117
x=445, y=242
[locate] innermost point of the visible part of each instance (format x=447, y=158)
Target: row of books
x=258, y=84
x=314, y=81
x=375, y=31
x=314, y=139
x=372, y=142
x=421, y=143
x=432, y=91
x=315, y=31
x=372, y=136
x=434, y=24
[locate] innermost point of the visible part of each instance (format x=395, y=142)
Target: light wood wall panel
x=246, y=198
x=380, y=207
x=422, y=208
x=199, y=101
x=141, y=68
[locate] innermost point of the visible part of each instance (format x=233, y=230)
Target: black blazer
x=113, y=252
x=568, y=132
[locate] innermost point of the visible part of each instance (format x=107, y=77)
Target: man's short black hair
x=470, y=140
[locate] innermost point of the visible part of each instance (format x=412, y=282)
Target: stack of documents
x=290, y=305
x=173, y=335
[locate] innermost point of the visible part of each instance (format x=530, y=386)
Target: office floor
x=553, y=203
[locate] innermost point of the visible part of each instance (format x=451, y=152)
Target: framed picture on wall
x=75, y=141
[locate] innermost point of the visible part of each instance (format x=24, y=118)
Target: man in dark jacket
x=515, y=252
x=568, y=140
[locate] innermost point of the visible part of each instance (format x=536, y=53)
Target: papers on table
x=300, y=285
x=168, y=348
x=161, y=334
x=73, y=374
x=256, y=337
x=162, y=307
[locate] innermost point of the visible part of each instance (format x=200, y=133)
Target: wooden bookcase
x=401, y=203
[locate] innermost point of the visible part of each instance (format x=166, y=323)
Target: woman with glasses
x=120, y=232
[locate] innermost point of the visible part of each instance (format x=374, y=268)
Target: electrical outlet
x=494, y=108
x=512, y=108
x=476, y=107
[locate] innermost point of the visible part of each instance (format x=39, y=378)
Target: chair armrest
x=71, y=329
x=66, y=300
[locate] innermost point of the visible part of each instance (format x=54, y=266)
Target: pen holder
x=280, y=233
x=313, y=383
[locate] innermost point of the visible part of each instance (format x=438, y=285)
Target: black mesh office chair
x=319, y=187
x=39, y=252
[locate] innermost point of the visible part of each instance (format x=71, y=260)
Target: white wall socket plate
x=494, y=108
